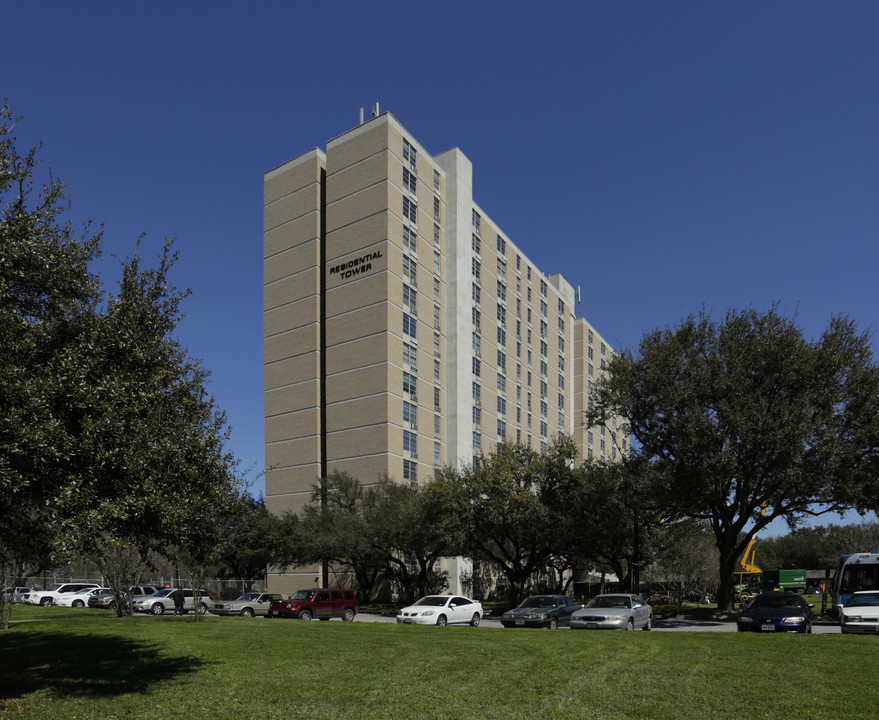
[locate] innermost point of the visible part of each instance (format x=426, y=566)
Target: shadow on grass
x=83, y=665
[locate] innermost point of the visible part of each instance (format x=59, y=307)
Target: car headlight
x=795, y=619
x=427, y=613
x=852, y=618
x=616, y=618
x=746, y=619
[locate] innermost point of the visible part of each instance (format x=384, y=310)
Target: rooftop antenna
x=361, y=116
x=375, y=111
x=578, y=293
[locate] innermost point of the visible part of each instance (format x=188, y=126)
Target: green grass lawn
x=89, y=664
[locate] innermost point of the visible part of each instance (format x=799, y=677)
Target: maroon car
x=320, y=603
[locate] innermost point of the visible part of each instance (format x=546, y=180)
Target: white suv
x=48, y=596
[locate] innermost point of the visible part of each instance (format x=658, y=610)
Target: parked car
x=160, y=602
x=777, y=612
x=441, y=610
x=78, y=599
x=545, y=611
x=248, y=605
x=320, y=603
x=860, y=614
x=14, y=594
x=614, y=611
x=107, y=601
x=48, y=596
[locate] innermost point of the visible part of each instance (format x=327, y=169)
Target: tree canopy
x=108, y=437
x=746, y=414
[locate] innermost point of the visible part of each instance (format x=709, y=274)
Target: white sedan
x=860, y=614
x=78, y=599
x=441, y=610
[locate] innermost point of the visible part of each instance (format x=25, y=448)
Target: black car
x=777, y=612
x=548, y=611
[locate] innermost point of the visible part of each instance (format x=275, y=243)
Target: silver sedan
x=614, y=612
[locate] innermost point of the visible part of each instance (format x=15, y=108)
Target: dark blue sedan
x=777, y=612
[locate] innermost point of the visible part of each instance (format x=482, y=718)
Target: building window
x=410, y=240
x=410, y=270
x=561, y=344
x=477, y=393
x=409, y=181
x=561, y=364
x=437, y=264
x=501, y=337
x=475, y=244
x=436, y=400
x=436, y=371
x=544, y=308
x=501, y=245
x=518, y=262
x=437, y=290
x=437, y=456
x=436, y=209
x=502, y=429
x=544, y=329
x=410, y=299
x=561, y=325
x=410, y=414
x=501, y=268
x=477, y=344
x=475, y=316
x=502, y=315
x=561, y=307
x=410, y=154
x=543, y=368
x=436, y=345
x=410, y=355
x=476, y=269
x=561, y=382
x=543, y=288
x=477, y=222
x=410, y=211
x=410, y=385
x=502, y=384
x=502, y=361
x=436, y=317
x=410, y=325
x=543, y=408
x=543, y=348
x=561, y=401
x=436, y=180
x=477, y=441
x=501, y=291
x=543, y=428
x=436, y=235
x=501, y=406
x=477, y=415
x=437, y=425
x=477, y=366
x=410, y=470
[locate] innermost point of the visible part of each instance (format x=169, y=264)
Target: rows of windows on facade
x=410, y=316
x=504, y=345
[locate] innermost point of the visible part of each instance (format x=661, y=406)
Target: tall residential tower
x=403, y=329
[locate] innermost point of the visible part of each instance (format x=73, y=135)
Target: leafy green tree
x=685, y=558
x=516, y=498
x=747, y=413
x=108, y=438
x=334, y=530
x=252, y=541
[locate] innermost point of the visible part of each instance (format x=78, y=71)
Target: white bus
x=858, y=571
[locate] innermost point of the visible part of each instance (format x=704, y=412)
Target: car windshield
x=776, y=602
x=539, y=601
x=609, y=602
x=164, y=592
x=863, y=600
x=302, y=595
x=53, y=587
x=248, y=596
x=433, y=601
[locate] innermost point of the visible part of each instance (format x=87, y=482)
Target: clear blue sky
x=662, y=155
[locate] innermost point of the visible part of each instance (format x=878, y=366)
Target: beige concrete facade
x=403, y=328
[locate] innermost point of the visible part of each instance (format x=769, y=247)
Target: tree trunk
x=726, y=588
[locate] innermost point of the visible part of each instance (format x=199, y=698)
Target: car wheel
x=553, y=623
x=202, y=609
x=78, y=603
x=348, y=615
x=46, y=602
x=305, y=615
x=474, y=621
x=247, y=612
x=157, y=609
x=630, y=625
x=649, y=624
x=441, y=620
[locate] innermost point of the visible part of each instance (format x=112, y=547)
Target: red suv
x=319, y=603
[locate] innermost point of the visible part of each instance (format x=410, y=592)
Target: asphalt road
x=669, y=625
